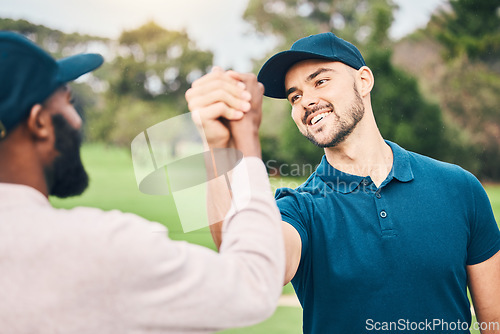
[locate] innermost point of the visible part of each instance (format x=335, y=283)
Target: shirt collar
x=346, y=183
x=20, y=194
x=401, y=167
x=336, y=179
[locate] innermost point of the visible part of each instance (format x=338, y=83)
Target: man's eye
x=294, y=98
x=320, y=82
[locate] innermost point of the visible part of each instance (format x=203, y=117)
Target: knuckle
x=228, y=113
x=216, y=75
x=195, y=116
x=219, y=105
x=196, y=82
x=219, y=109
x=218, y=95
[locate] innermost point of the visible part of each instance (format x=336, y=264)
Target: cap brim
x=273, y=72
x=70, y=68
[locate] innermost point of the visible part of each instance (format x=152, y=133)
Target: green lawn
x=113, y=186
x=286, y=320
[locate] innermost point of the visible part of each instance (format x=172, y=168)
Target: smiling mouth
x=318, y=118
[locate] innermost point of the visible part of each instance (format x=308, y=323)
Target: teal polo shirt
x=390, y=259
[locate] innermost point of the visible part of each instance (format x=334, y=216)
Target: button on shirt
x=377, y=255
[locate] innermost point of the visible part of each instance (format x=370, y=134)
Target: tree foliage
x=402, y=114
x=470, y=27
x=158, y=63
x=292, y=19
x=148, y=79
x=58, y=43
x=468, y=88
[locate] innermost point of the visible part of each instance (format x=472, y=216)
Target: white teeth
x=319, y=117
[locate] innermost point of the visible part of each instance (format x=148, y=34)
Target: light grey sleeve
x=171, y=286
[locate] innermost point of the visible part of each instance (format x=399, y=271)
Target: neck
x=23, y=165
x=364, y=152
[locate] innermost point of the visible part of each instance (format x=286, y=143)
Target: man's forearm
x=218, y=204
x=250, y=145
x=219, y=164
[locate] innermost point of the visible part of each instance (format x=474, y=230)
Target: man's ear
x=367, y=80
x=39, y=122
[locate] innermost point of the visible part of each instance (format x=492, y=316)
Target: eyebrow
x=290, y=91
x=310, y=77
x=318, y=72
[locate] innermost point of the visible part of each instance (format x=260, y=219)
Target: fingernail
x=241, y=85
x=237, y=114
x=245, y=95
x=245, y=106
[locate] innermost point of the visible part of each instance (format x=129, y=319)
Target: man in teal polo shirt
x=378, y=239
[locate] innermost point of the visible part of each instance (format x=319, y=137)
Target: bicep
x=293, y=250
x=484, y=284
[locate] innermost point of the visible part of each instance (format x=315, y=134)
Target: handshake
x=227, y=107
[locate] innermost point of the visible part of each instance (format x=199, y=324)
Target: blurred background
x=436, y=65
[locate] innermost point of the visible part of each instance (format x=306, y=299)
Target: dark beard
x=357, y=110
x=67, y=176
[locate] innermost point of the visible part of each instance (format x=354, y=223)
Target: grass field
x=113, y=186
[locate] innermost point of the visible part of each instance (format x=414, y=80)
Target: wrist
x=250, y=147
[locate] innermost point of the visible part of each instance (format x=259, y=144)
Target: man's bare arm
x=484, y=285
x=293, y=249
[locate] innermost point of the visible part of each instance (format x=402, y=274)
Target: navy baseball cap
x=325, y=46
x=29, y=75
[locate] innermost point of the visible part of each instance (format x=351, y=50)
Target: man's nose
x=309, y=100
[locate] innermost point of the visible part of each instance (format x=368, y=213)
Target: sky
x=216, y=25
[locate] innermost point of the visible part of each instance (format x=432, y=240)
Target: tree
x=158, y=63
x=468, y=89
x=403, y=114
x=58, y=43
x=471, y=27
x=291, y=19
x=148, y=79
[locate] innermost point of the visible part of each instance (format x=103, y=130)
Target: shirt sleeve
x=173, y=286
x=484, y=239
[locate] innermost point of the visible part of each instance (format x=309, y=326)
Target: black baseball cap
x=325, y=46
x=29, y=75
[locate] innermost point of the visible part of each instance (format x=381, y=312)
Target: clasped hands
x=227, y=107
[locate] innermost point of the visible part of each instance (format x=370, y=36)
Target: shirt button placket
x=386, y=223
